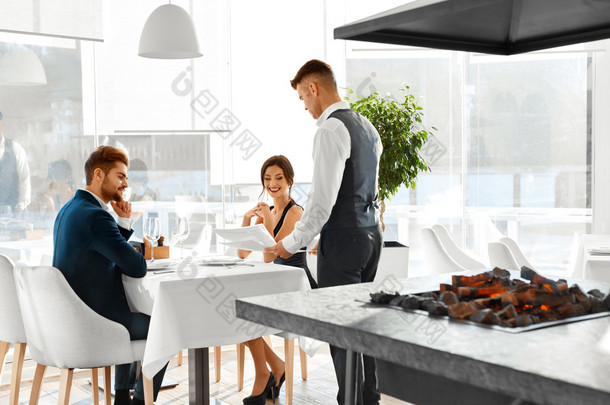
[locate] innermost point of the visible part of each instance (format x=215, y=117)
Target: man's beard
x=110, y=193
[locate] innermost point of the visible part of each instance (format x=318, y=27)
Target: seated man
x=92, y=252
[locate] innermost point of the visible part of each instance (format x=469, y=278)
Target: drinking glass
x=180, y=232
x=152, y=232
x=5, y=216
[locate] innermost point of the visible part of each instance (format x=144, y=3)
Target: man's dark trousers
x=125, y=374
x=351, y=256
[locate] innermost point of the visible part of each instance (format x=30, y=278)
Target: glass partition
x=510, y=157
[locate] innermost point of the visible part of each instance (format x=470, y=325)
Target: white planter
x=393, y=265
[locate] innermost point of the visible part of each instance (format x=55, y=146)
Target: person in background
x=342, y=203
x=277, y=178
x=140, y=191
x=139, y=182
x=15, y=187
x=61, y=185
x=90, y=248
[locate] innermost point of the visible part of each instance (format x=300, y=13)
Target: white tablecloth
x=194, y=307
x=32, y=252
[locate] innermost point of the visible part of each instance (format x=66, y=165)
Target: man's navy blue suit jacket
x=92, y=252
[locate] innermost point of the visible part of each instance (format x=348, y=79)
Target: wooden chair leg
x=94, y=386
x=179, y=358
x=303, y=364
x=289, y=360
x=4, y=346
x=241, y=350
x=107, y=381
x=37, y=384
x=18, y=356
x=148, y=390
x=65, y=384
x=217, y=351
x=268, y=340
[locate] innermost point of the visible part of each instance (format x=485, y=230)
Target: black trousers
x=125, y=374
x=351, y=256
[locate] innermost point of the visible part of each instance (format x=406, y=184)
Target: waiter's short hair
x=320, y=71
x=104, y=157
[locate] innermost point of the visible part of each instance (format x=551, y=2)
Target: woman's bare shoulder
x=295, y=210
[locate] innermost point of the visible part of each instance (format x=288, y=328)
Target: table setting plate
x=220, y=261
x=160, y=264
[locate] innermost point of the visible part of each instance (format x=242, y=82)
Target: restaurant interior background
x=515, y=150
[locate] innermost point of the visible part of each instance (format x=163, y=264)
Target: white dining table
x=192, y=306
x=35, y=252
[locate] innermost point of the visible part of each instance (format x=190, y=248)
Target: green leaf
x=401, y=160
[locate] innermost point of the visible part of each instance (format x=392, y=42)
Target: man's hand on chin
x=279, y=250
x=122, y=208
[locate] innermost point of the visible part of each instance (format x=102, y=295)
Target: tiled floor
x=319, y=388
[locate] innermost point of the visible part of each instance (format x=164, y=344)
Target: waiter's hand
x=279, y=250
x=314, y=250
x=122, y=208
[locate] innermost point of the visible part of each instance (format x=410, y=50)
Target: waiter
x=342, y=202
x=15, y=187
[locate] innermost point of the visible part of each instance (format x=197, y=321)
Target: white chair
x=517, y=252
x=11, y=326
x=63, y=332
x=437, y=259
x=501, y=256
x=457, y=254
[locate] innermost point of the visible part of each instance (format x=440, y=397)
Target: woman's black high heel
x=262, y=398
x=276, y=390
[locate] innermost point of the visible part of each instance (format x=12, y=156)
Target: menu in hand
x=255, y=238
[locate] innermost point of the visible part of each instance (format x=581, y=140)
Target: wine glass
x=5, y=216
x=180, y=232
x=151, y=234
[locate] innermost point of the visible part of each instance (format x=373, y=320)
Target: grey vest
x=9, y=178
x=357, y=199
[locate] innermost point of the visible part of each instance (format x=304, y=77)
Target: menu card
x=255, y=238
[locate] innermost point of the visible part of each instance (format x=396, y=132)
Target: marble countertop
x=562, y=364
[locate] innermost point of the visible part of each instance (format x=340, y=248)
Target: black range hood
x=502, y=27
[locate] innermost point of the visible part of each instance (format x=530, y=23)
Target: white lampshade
x=21, y=67
x=169, y=33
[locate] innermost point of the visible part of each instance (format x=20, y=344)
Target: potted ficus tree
x=402, y=136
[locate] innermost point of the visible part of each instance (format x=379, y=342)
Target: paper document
x=255, y=237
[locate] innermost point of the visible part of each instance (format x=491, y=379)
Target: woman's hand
x=250, y=213
x=247, y=220
x=262, y=210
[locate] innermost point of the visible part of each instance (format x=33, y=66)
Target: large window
x=43, y=137
x=511, y=152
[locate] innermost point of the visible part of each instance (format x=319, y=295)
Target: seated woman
x=277, y=177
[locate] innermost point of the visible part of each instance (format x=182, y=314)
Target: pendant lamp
x=21, y=67
x=169, y=33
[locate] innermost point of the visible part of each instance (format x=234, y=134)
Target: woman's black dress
x=297, y=259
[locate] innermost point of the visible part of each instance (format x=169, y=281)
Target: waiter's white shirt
x=23, y=172
x=122, y=222
x=331, y=148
